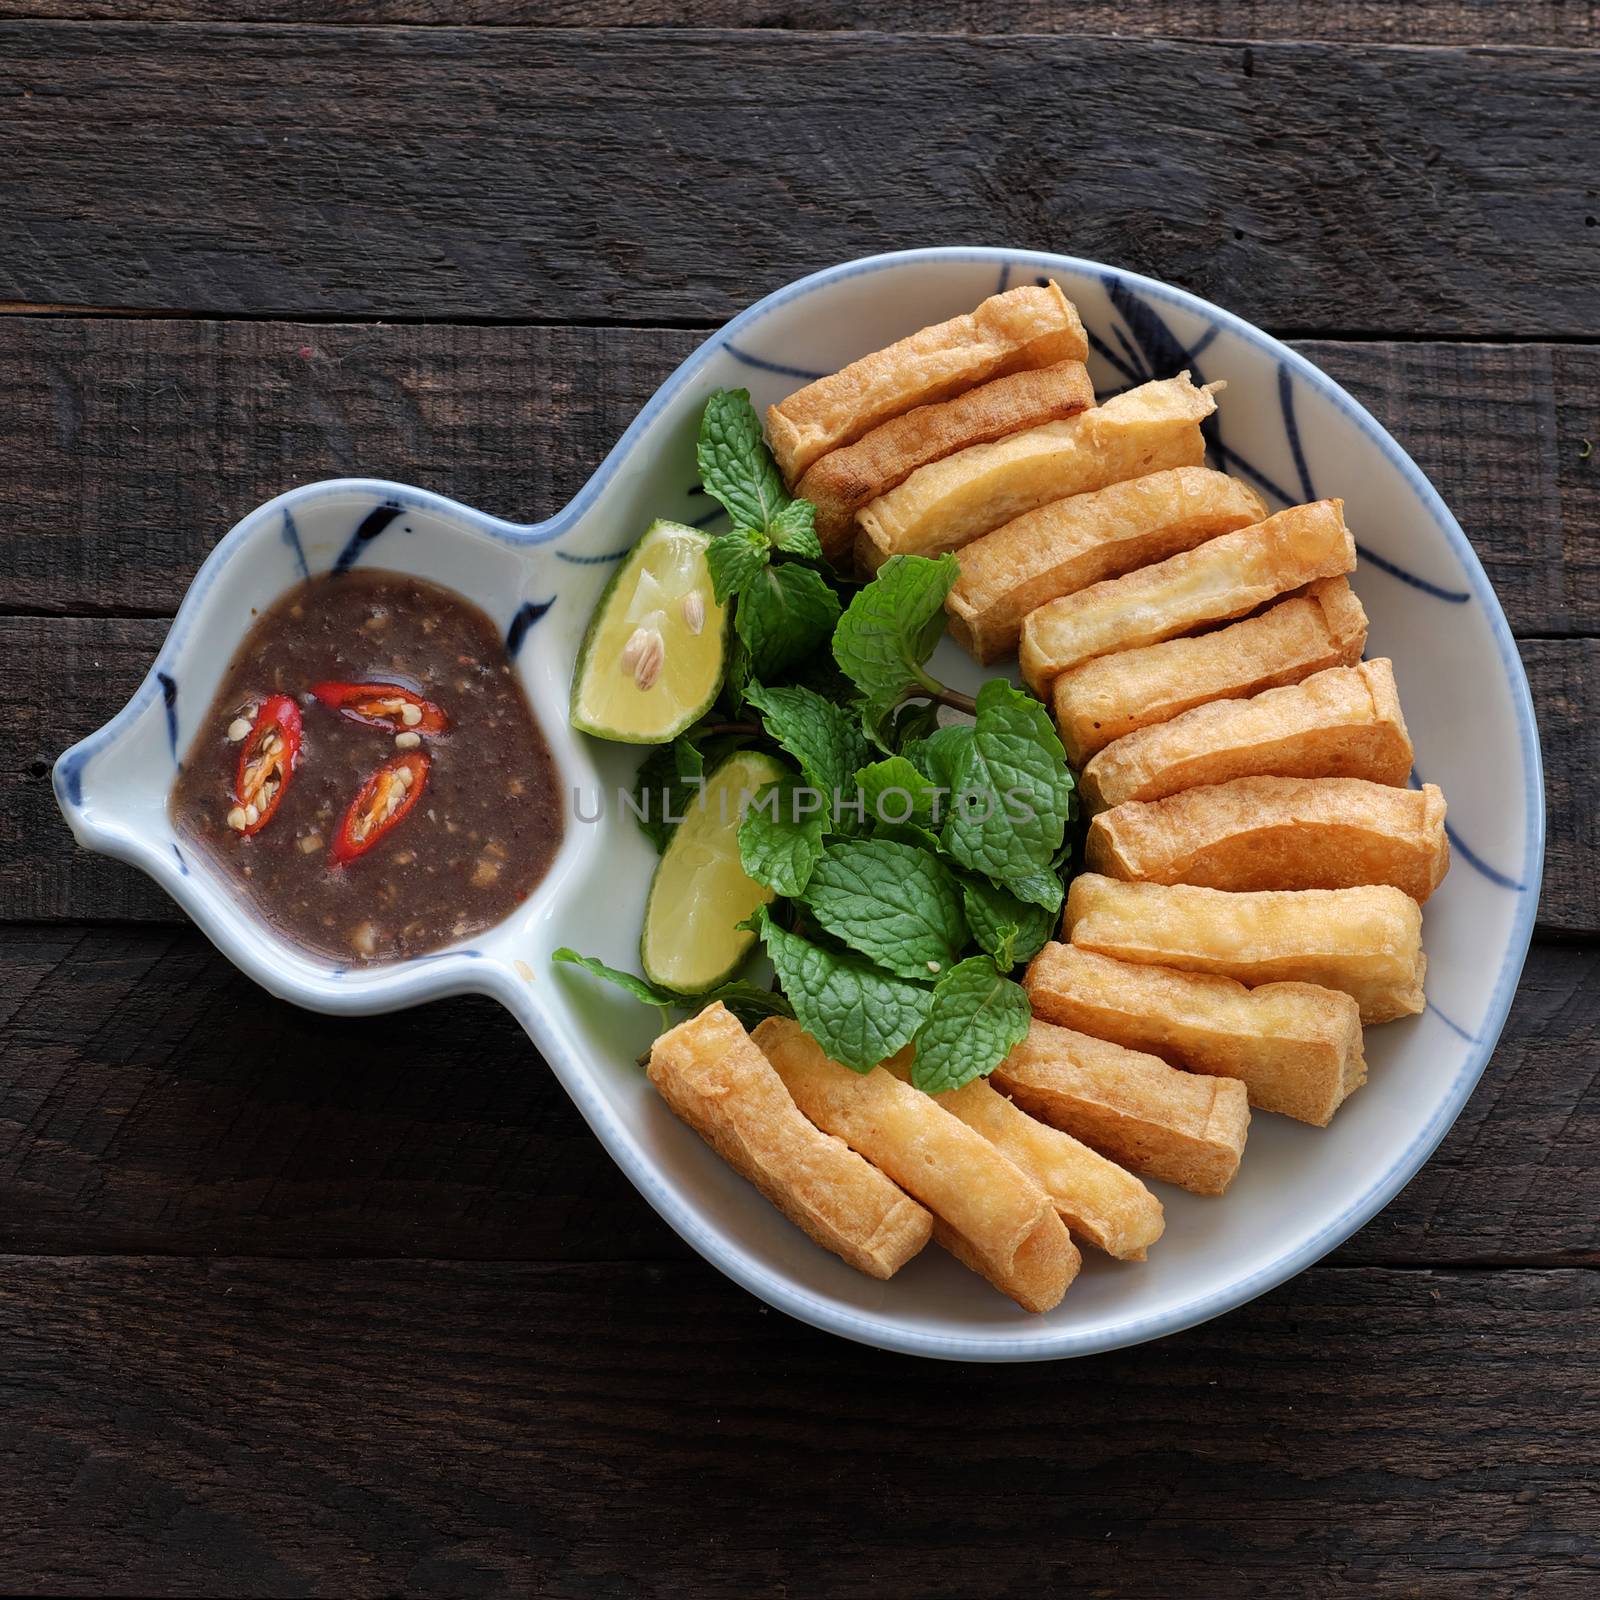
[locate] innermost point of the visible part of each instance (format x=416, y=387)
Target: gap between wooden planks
x=364, y=1427
x=457, y=171
x=133, y=444
x=154, y=1100
x=1429, y=22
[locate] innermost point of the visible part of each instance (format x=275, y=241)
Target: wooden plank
x=135, y=443
x=154, y=1100
x=1509, y=436
x=366, y=1428
x=1471, y=22
x=594, y=174
x=61, y=677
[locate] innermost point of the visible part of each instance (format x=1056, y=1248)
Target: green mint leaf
x=941, y=755
x=688, y=759
x=786, y=614
x=821, y=675
x=911, y=833
x=858, y=1013
x=736, y=560
x=736, y=467
x=891, y=626
x=780, y=838
x=637, y=987
x=892, y=902
x=794, y=530
x=667, y=783
x=822, y=736
x=1007, y=929
x=977, y=1018
x=1012, y=794
x=749, y=1002
x=738, y=678
x=914, y=720
x=895, y=793
x=1042, y=889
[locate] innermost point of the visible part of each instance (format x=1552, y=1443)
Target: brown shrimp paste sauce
x=476, y=841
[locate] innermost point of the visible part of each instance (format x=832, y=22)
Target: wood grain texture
x=139, y=443
x=640, y=175
x=154, y=1100
x=1474, y=22
x=60, y=678
x=1510, y=437
x=136, y=443
x=175, y=1427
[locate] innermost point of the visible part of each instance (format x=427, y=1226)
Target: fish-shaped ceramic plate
x=1283, y=425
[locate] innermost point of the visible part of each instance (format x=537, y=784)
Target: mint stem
x=932, y=689
x=727, y=727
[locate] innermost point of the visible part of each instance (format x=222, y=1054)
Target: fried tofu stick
x=1343, y=722
x=1183, y=1127
x=988, y=1213
x=718, y=1081
x=1295, y=1047
x=1366, y=942
x=949, y=503
x=1278, y=833
x=845, y=479
x=1096, y=1199
x=1069, y=544
x=1027, y=327
x=1114, y=695
x=1221, y=579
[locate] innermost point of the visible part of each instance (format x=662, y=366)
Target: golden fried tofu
x=1096, y=1199
x=1366, y=942
x=1114, y=695
x=844, y=480
x=949, y=503
x=988, y=1213
x=1182, y=1127
x=718, y=1081
x=1069, y=544
x=1278, y=833
x=1027, y=327
x=1294, y=1046
x=1343, y=722
x=1215, y=582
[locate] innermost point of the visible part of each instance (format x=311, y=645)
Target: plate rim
x=881, y=1330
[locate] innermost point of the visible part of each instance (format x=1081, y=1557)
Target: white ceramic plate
x=1283, y=425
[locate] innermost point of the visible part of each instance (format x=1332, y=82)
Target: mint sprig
x=856, y=1011
x=1012, y=796
x=975, y=1021
x=749, y=1002
x=926, y=862
x=897, y=904
x=736, y=560
x=780, y=838
x=890, y=629
x=1009, y=930
x=824, y=737
x=794, y=531
x=736, y=468
x=784, y=615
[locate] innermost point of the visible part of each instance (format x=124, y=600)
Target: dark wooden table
x=294, y=1306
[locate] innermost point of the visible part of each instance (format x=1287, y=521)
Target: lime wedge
x=700, y=893
x=652, y=659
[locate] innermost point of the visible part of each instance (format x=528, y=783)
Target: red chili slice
x=382, y=705
x=382, y=804
x=267, y=762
